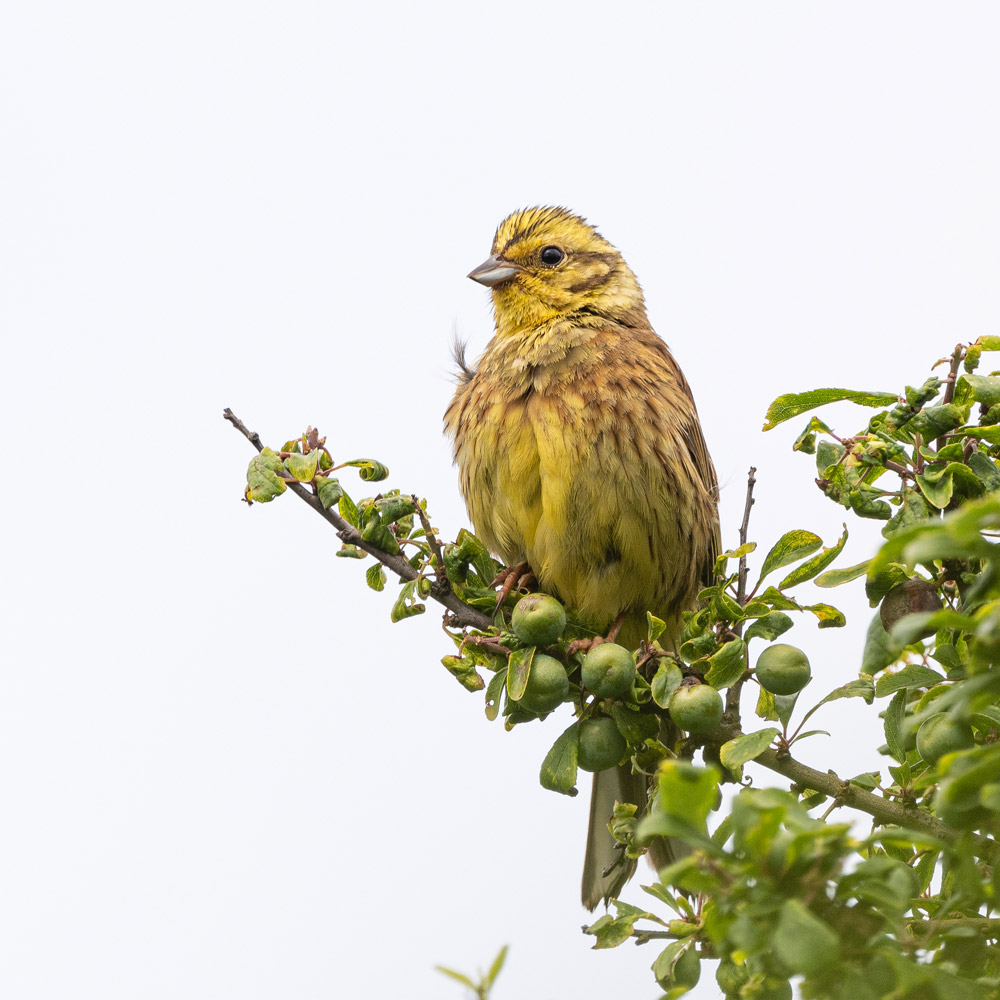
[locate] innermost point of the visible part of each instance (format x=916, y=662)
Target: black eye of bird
x=550, y=256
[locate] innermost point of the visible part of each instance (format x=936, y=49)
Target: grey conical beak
x=492, y=271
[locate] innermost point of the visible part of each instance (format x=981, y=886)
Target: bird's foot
x=586, y=645
x=512, y=578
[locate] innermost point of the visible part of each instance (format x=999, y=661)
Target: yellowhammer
x=581, y=454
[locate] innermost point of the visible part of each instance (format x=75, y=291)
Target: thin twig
x=733, y=694
x=464, y=615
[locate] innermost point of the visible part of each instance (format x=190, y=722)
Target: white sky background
x=273, y=208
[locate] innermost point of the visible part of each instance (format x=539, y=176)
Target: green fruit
x=608, y=670
x=547, y=685
x=730, y=976
x=696, y=708
x=538, y=620
x=783, y=669
x=687, y=969
x=601, y=745
x=940, y=734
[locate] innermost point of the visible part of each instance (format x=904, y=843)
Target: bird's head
x=547, y=263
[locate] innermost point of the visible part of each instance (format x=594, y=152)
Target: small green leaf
x=792, y=546
x=263, y=481
x=912, y=675
x=406, y=605
x=829, y=616
x=654, y=627
x=880, y=650
x=636, y=727
x=739, y=751
x=817, y=564
x=665, y=681
x=493, y=691
x=302, y=467
x=804, y=943
x=558, y=773
x=464, y=671
x=686, y=791
x=895, y=715
x=860, y=688
x=769, y=627
x=458, y=977
x=368, y=469
x=795, y=403
x=348, y=509
x=835, y=577
x=330, y=491
x=727, y=664
x=985, y=388
x=375, y=577
x=518, y=671
x=495, y=968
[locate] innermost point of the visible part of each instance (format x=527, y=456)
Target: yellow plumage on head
x=580, y=451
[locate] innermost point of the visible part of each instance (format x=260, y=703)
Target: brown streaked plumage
x=580, y=451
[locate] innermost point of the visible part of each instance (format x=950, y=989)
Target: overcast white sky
x=274, y=207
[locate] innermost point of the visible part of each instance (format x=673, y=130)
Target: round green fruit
x=686, y=971
x=696, y=708
x=601, y=745
x=608, y=670
x=538, y=620
x=940, y=734
x=783, y=669
x=547, y=685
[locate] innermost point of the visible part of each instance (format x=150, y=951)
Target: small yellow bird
x=580, y=453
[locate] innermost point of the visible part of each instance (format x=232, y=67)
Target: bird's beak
x=493, y=270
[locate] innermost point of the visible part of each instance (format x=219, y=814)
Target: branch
x=733, y=694
x=464, y=615
x=887, y=812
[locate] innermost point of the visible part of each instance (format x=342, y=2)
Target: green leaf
x=687, y=792
x=912, y=675
x=880, y=650
x=263, y=481
x=795, y=403
x=727, y=664
x=495, y=968
x=985, y=470
x=860, y=688
x=406, y=605
x=665, y=681
x=464, y=671
x=518, y=671
x=828, y=615
x=458, y=977
x=302, y=467
x=806, y=441
x=805, y=944
x=348, y=510
x=737, y=553
x=375, y=577
x=792, y=546
x=493, y=692
x=895, y=716
x=835, y=577
x=330, y=491
x=368, y=469
x=985, y=388
x=654, y=627
x=769, y=627
x=636, y=727
x=817, y=564
x=737, y=752
x=558, y=773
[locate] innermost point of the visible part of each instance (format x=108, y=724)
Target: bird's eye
x=551, y=256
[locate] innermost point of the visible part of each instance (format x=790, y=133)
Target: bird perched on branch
x=581, y=455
